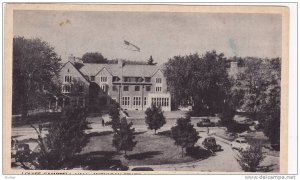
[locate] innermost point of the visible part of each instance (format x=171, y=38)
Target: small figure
x=103, y=122
x=207, y=130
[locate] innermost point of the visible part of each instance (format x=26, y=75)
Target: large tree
x=198, y=80
x=184, y=133
x=114, y=113
x=65, y=138
x=34, y=65
x=123, y=139
x=258, y=89
x=94, y=57
x=155, y=118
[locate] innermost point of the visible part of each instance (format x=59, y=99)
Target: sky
x=160, y=34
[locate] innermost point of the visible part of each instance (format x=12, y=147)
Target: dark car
x=22, y=152
x=142, y=169
x=205, y=123
x=118, y=168
x=211, y=144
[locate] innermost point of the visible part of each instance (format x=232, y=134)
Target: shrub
x=250, y=159
x=237, y=127
x=227, y=114
x=197, y=152
x=114, y=113
x=155, y=118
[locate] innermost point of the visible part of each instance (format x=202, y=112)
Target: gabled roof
x=115, y=69
x=84, y=76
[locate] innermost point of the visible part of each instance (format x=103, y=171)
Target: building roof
x=83, y=75
x=129, y=70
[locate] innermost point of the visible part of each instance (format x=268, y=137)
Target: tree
x=200, y=81
x=151, y=61
x=123, y=139
x=259, y=87
x=250, y=159
x=114, y=113
x=94, y=57
x=34, y=65
x=184, y=133
x=227, y=113
x=65, y=138
x=155, y=118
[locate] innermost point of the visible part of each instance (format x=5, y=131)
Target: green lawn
x=150, y=149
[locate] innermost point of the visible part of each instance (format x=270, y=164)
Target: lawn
x=150, y=150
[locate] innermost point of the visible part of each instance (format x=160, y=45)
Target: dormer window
x=92, y=78
x=147, y=79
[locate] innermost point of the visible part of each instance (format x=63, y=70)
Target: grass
x=38, y=118
x=150, y=150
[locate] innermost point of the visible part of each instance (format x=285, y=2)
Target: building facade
x=74, y=88
x=134, y=87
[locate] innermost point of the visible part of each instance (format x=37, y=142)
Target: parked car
x=211, y=144
x=118, y=168
x=142, y=169
x=22, y=152
x=240, y=144
x=205, y=123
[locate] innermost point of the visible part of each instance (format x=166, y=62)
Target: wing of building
x=134, y=87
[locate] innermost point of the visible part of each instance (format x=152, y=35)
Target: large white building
x=134, y=87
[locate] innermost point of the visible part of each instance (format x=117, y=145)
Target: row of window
x=128, y=79
x=68, y=78
x=138, y=88
x=137, y=101
x=160, y=101
x=67, y=88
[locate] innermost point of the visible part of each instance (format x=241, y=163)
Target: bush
x=250, y=159
x=114, y=113
x=227, y=114
x=155, y=118
x=197, y=152
x=237, y=127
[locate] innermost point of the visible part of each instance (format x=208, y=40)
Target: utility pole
x=142, y=97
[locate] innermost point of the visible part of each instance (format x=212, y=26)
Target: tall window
x=158, y=89
x=125, y=100
x=158, y=80
x=68, y=78
x=137, y=101
x=126, y=88
x=92, y=78
x=137, y=88
x=103, y=87
x=66, y=88
x=145, y=101
x=103, y=79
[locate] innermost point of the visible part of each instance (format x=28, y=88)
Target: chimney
x=233, y=68
x=233, y=64
x=71, y=58
x=120, y=63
